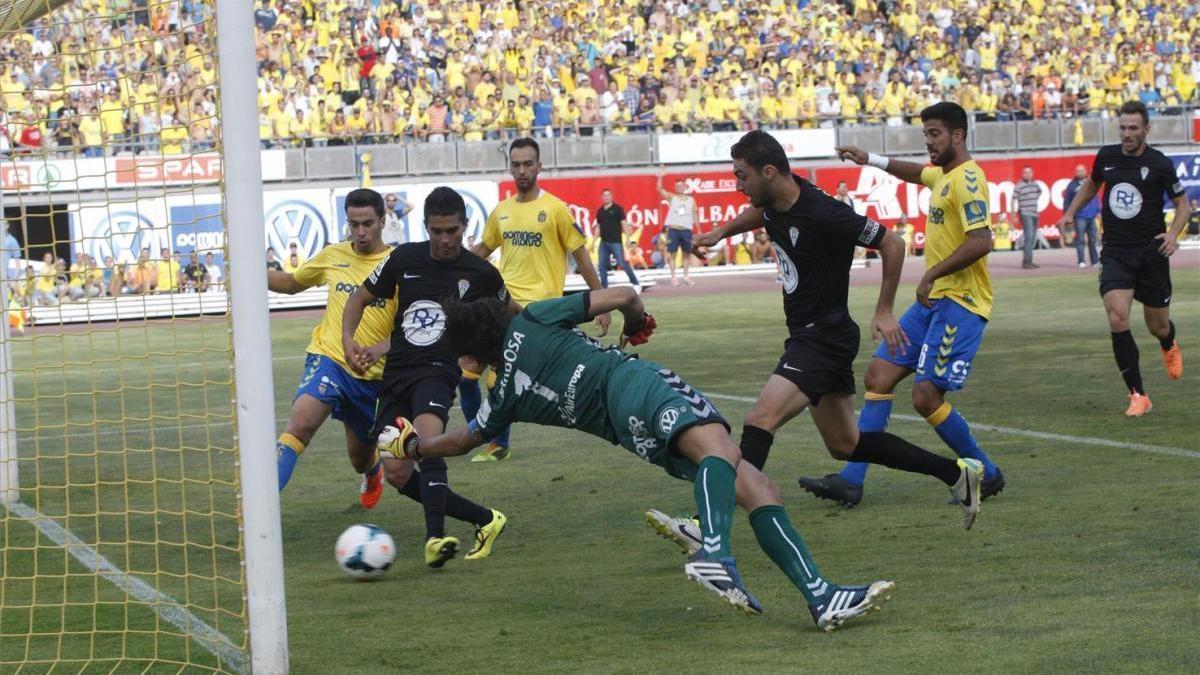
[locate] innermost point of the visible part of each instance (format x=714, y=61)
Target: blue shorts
x=352, y=399
x=679, y=238
x=943, y=340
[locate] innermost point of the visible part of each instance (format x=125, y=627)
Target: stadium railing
x=603, y=148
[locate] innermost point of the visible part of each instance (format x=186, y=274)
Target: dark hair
x=525, y=143
x=759, y=149
x=1135, y=108
x=365, y=197
x=476, y=329
x=949, y=113
x=444, y=201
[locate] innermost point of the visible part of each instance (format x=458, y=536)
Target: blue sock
x=469, y=397
x=874, y=417
x=287, y=452
x=955, y=431
x=501, y=439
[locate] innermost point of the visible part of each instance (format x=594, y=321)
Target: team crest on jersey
x=794, y=234
x=946, y=191
x=1145, y=172
x=463, y=285
x=541, y=216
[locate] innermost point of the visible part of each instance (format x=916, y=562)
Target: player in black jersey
x=420, y=375
x=1134, y=262
x=814, y=236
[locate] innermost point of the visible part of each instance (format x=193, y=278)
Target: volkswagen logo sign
x=123, y=235
x=297, y=221
x=477, y=215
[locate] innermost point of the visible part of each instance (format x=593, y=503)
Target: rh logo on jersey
x=424, y=323
x=1125, y=200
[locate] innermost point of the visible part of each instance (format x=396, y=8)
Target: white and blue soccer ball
x=364, y=551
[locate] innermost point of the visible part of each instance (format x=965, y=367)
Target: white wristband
x=877, y=161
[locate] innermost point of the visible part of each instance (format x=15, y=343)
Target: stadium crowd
x=105, y=76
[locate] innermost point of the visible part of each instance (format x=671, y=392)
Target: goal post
x=251, y=336
x=139, y=509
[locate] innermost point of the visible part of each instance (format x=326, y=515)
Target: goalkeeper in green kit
x=551, y=373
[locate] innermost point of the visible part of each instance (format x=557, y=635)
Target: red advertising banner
x=878, y=195
x=717, y=198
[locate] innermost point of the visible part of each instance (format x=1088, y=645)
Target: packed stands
x=352, y=71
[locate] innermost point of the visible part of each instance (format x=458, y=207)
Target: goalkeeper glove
x=637, y=333
x=400, y=440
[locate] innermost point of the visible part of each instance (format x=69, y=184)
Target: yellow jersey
x=340, y=268
x=535, y=238
x=958, y=204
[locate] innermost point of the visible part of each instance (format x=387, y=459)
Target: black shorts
x=410, y=395
x=819, y=359
x=1146, y=272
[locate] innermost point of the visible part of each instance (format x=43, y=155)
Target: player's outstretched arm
x=884, y=325
x=905, y=171
x=355, y=354
x=1087, y=190
x=283, y=282
x=749, y=219
x=977, y=244
x=402, y=441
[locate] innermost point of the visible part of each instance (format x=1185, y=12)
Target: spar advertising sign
x=715, y=192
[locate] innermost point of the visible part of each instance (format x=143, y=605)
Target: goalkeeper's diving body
x=551, y=373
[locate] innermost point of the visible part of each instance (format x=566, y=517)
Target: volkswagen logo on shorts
x=296, y=221
x=123, y=235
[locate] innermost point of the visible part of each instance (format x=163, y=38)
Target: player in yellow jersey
x=944, y=327
x=331, y=386
x=534, y=231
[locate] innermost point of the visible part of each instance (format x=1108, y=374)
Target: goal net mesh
x=120, y=538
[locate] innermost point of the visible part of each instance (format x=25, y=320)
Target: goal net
x=121, y=536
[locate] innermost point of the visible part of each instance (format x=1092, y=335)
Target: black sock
x=756, y=445
x=458, y=507
x=434, y=491
x=1126, y=351
x=880, y=447
x=1169, y=341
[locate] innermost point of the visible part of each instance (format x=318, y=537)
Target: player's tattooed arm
x=977, y=244
x=749, y=219
x=905, y=171
x=284, y=282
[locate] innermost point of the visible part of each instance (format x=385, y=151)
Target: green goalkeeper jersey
x=552, y=373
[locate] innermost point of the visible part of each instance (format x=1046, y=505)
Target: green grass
x=1086, y=563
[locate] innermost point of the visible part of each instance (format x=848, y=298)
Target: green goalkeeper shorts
x=649, y=407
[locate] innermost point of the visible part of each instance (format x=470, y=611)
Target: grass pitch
x=1086, y=562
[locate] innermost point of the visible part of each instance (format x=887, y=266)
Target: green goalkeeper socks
x=784, y=545
x=714, y=490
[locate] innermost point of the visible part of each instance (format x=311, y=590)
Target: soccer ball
x=364, y=551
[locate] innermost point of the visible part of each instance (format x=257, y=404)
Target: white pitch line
x=213, y=640
x=1029, y=433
